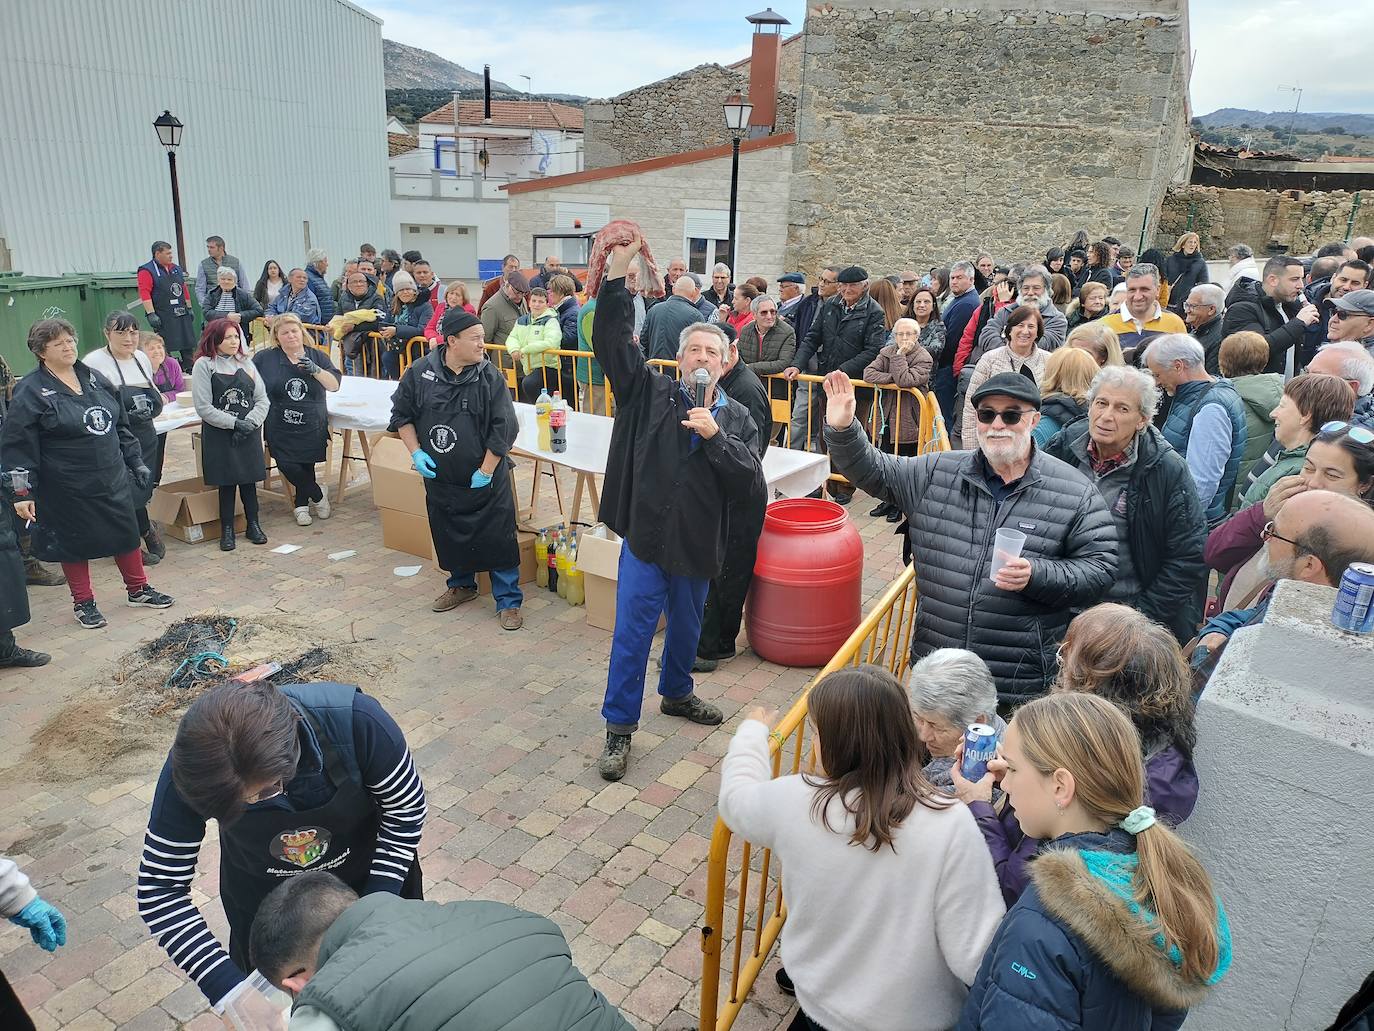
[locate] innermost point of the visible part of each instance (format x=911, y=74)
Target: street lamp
x=169, y=135
x=737, y=114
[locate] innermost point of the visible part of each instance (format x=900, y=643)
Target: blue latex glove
x=424, y=465
x=45, y=923
x=479, y=478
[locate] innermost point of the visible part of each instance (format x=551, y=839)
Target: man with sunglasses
x=1352, y=319
x=1316, y=535
x=955, y=501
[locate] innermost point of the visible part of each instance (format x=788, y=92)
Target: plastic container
x=26, y=299
x=259, y=1007
x=541, y=560
x=543, y=407
x=1006, y=546
x=558, y=424
x=805, y=599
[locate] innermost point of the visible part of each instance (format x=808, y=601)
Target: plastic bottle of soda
x=562, y=563
x=577, y=592
x=541, y=559
x=552, y=564
x=543, y=408
x=558, y=424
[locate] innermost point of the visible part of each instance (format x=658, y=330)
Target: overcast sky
x=1245, y=48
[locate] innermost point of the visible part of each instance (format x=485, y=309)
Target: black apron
x=172, y=304
x=84, y=495
x=473, y=527
x=264, y=846
x=14, y=597
x=297, y=426
x=228, y=463
x=142, y=405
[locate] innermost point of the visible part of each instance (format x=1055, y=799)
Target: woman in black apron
x=297, y=428
x=232, y=404
x=310, y=777
x=67, y=429
x=120, y=362
x=453, y=412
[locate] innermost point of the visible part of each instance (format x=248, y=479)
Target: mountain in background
x=1343, y=124
x=412, y=68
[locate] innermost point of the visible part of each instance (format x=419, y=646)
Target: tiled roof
x=400, y=143
x=511, y=114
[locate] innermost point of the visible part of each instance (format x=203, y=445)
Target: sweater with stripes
x=171, y=844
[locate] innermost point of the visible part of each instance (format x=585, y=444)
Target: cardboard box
x=599, y=560
x=402, y=531
x=189, y=510
x=396, y=486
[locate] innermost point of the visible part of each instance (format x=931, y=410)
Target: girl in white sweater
x=891, y=894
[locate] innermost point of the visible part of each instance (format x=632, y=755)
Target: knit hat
x=403, y=281
x=456, y=320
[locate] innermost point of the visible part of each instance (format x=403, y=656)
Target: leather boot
x=36, y=574
x=254, y=533
x=226, y=538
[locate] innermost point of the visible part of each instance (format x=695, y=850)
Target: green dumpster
x=109, y=292
x=26, y=299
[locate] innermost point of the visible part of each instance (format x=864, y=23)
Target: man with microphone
x=680, y=451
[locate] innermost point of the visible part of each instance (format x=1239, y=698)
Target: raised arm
x=622, y=362
x=890, y=478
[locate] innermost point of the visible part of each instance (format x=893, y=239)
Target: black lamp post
x=169, y=135
x=737, y=114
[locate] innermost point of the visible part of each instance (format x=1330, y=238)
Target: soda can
x=980, y=745
x=1354, y=608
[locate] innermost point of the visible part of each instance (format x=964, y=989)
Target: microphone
x=701, y=379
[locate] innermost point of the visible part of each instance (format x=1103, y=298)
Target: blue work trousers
x=644, y=592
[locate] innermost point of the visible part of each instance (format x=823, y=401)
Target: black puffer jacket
x=1255, y=310
x=842, y=340
x=1183, y=272
x=1070, y=542
x=1167, y=528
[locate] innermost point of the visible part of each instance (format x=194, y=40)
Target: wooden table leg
x=343, y=463
x=577, y=497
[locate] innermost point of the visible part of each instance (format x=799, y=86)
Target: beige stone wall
x=676, y=114
x=657, y=201
x=1270, y=222
x=910, y=152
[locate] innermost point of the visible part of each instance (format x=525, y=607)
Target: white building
x=446, y=196
x=281, y=105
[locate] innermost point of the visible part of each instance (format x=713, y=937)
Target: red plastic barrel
x=805, y=601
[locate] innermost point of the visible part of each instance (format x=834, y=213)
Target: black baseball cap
x=1008, y=384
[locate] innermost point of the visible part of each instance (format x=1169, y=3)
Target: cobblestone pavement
x=505, y=728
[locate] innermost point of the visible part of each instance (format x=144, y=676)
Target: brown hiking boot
x=36, y=574
x=453, y=597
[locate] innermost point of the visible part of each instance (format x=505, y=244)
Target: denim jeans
x=505, y=586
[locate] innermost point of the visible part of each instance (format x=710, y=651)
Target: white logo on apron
x=98, y=420
x=292, y=417
x=442, y=439
x=233, y=398
x=296, y=389
x=176, y=290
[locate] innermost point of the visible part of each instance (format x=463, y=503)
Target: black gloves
x=307, y=366
x=243, y=429
x=154, y=321
x=141, y=476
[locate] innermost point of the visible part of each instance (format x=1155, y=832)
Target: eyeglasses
x=1341, y=313
x=1359, y=434
x=1010, y=416
x=1268, y=533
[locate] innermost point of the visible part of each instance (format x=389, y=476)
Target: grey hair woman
x=950, y=688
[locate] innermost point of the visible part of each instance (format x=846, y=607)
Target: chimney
x=486, y=93
x=764, y=59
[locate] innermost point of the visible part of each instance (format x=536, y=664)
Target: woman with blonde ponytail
x=1119, y=927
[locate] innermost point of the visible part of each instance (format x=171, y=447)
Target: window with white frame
x=705, y=238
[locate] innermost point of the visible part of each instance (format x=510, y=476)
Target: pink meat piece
x=615, y=234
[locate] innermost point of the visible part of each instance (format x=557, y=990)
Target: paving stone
x=655, y=996
x=631, y=962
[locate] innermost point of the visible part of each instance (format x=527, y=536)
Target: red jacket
x=1234, y=543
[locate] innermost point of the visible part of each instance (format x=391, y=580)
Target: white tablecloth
x=174, y=416
x=361, y=403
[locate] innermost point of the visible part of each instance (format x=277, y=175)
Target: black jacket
x=1210, y=336
x=1071, y=544
x=1183, y=272
x=847, y=341
x=1167, y=527
x=666, y=489
x=664, y=325
x=742, y=384
x=567, y=312
x=803, y=314
x=1255, y=310
x=244, y=303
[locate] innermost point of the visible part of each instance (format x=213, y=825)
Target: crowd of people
x=1138, y=426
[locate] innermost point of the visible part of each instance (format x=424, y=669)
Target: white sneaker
x=303, y=516
x=322, y=506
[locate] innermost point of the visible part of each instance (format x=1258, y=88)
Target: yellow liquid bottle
x=543, y=407
x=577, y=587
x=541, y=561
x=561, y=561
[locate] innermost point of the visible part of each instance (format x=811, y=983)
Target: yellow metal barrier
x=884, y=639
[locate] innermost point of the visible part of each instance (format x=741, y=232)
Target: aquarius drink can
x=980, y=745
x=1354, y=609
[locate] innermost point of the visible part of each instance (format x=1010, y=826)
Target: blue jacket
x=1070, y=955
x=319, y=286
x=1189, y=399
x=567, y=312
x=305, y=305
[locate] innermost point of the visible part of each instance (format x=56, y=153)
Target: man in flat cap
x=955, y=502
x=845, y=336
x=453, y=411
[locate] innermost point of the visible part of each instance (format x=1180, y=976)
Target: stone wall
x=657, y=200
x=910, y=153
x=676, y=114
x=1269, y=221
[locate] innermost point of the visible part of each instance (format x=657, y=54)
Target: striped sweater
x=171, y=844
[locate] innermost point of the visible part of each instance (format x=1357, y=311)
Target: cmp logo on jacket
x=301, y=847
x=442, y=438
x=1025, y=972
x=296, y=389
x=98, y=420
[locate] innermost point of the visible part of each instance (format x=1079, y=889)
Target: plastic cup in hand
x=19, y=482
x=1006, y=546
